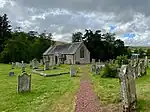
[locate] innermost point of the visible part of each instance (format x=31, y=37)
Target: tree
x=5, y=31
x=77, y=37
x=102, y=46
x=136, y=51
x=148, y=52
x=141, y=52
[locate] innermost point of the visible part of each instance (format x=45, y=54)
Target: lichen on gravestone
x=24, y=83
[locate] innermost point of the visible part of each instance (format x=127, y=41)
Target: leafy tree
x=141, y=52
x=148, y=52
x=5, y=31
x=77, y=37
x=103, y=46
x=136, y=51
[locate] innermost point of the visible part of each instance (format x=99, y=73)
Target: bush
x=110, y=70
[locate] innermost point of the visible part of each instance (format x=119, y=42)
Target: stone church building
x=70, y=53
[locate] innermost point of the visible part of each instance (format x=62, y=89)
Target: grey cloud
x=91, y=5
x=66, y=16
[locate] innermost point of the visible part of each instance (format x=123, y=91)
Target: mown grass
x=108, y=90
x=48, y=94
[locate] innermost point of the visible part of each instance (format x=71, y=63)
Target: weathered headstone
x=23, y=67
x=128, y=89
x=135, y=71
x=46, y=65
x=11, y=73
x=73, y=71
x=97, y=70
x=30, y=64
x=35, y=64
x=93, y=68
x=13, y=65
x=93, y=60
x=24, y=83
x=146, y=62
x=41, y=62
x=143, y=68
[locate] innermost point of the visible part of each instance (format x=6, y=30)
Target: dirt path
x=86, y=100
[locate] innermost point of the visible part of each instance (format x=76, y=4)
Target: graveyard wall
x=86, y=58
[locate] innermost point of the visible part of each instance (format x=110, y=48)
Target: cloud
x=126, y=18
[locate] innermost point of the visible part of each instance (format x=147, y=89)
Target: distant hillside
x=59, y=43
x=137, y=47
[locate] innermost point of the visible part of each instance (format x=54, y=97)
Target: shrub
x=110, y=70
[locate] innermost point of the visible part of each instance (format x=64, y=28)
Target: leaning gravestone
x=24, y=83
x=72, y=71
x=11, y=74
x=128, y=89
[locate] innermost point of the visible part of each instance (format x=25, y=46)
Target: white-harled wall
x=86, y=58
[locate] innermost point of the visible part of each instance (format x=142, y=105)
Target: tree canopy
x=18, y=45
x=102, y=46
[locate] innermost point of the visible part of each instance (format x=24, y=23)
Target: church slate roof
x=69, y=48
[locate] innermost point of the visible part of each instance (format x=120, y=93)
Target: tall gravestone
x=13, y=65
x=128, y=89
x=146, y=62
x=23, y=67
x=46, y=65
x=24, y=83
x=73, y=71
x=97, y=70
x=143, y=68
x=93, y=68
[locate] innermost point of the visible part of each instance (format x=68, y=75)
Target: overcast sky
x=129, y=19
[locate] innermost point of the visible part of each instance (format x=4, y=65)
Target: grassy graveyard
x=108, y=90
x=48, y=94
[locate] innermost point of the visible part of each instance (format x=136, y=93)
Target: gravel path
x=86, y=100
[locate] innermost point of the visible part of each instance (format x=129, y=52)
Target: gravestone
x=146, y=62
x=143, y=68
x=97, y=70
x=30, y=64
x=23, y=67
x=93, y=68
x=73, y=71
x=24, y=83
x=135, y=71
x=139, y=70
x=13, y=65
x=128, y=88
x=17, y=64
x=35, y=64
x=93, y=60
x=46, y=65
x=41, y=62
x=11, y=74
